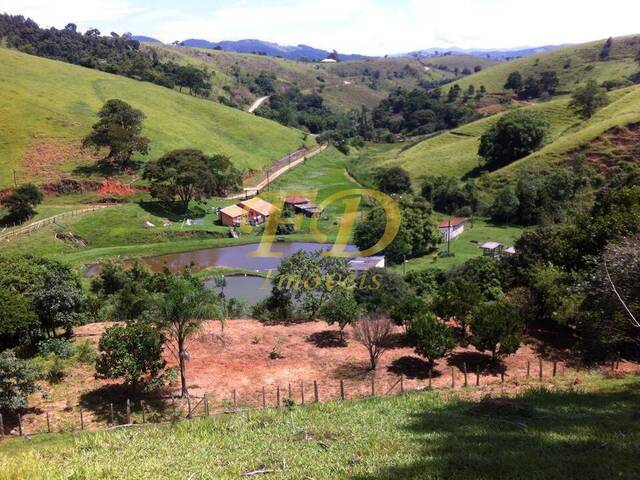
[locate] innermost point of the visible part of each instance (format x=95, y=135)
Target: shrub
x=497, y=327
x=431, y=337
x=60, y=347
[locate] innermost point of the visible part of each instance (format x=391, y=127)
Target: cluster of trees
x=534, y=86
x=117, y=54
x=420, y=111
x=455, y=92
x=450, y=195
x=20, y=204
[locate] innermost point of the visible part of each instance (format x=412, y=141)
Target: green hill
x=48, y=106
x=454, y=153
x=574, y=65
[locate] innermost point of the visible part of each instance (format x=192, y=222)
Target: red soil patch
x=110, y=188
x=44, y=160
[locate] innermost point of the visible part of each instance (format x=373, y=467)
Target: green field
x=48, y=106
x=574, y=65
x=588, y=432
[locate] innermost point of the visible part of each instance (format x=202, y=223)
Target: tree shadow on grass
x=174, y=211
x=540, y=435
x=327, y=339
x=413, y=368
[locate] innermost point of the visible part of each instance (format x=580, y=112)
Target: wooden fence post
x=81, y=420
x=1, y=427
x=453, y=378
x=206, y=404
x=144, y=417
x=528, y=369
x=555, y=368
x=129, y=410
x=541, y=371
x=316, y=395
x=464, y=369
x=278, y=396
x=341, y=389
x=48, y=422
x=264, y=399
x=290, y=394
x=502, y=377
x=477, y=375
x=113, y=418
x=302, y=393
x=373, y=385
x=20, y=424
x=401, y=383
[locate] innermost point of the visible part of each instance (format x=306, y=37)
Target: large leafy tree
x=180, y=312
x=458, y=297
x=514, y=136
x=119, y=129
x=393, y=180
x=431, y=337
x=17, y=381
x=21, y=203
x=132, y=352
x=18, y=321
x=380, y=291
x=190, y=174
x=341, y=308
x=497, y=328
x=514, y=82
x=587, y=99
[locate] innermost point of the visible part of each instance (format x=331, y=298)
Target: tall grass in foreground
x=585, y=431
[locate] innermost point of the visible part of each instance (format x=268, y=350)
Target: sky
x=370, y=27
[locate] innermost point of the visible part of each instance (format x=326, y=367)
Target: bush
x=60, y=347
x=431, y=337
x=497, y=327
x=393, y=180
x=17, y=381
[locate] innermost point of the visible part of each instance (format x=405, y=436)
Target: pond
x=237, y=256
x=249, y=289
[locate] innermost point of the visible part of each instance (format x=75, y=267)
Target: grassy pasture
x=583, y=432
x=50, y=105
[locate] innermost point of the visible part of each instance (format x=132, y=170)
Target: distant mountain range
x=490, y=53
x=315, y=54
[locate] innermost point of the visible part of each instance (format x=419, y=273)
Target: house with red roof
x=451, y=228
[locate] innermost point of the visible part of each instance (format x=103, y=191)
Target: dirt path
x=257, y=104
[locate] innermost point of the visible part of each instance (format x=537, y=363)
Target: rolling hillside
x=48, y=106
x=574, y=65
x=454, y=153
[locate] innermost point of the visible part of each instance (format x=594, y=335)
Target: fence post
x=20, y=424
x=540, y=369
x=373, y=385
x=206, y=404
x=528, y=368
x=341, y=389
x=302, y=392
x=477, y=375
x=290, y=394
x=129, y=410
x=144, y=416
x=235, y=401
x=555, y=368
x=464, y=369
x=316, y=395
x=502, y=377
x=48, y=423
x=453, y=378
x=81, y=420
x=113, y=419
x=278, y=396
x=264, y=399
x=401, y=383
x=1, y=427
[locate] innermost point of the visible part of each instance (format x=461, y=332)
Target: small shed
x=363, y=264
x=510, y=251
x=308, y=209
x=451, y=228
x=492, y=249
x=232, y=216
x=294, y=200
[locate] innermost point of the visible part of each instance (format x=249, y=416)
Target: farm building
x=363, y=264
x=232, y=216
x=295, y=200
x=308, y=209
x=492, y=249
x=258, y=210
x=451, y=228
x=510, y=251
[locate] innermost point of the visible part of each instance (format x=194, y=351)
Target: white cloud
x=362, y=26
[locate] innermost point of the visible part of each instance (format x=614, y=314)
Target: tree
x=21, y=202
x=549, y=82
x=180, y=311
x=431, y=337
x=514, y=82
x=17, y=381
x=407, y=309
x=341, y=308
x=189, y=174
x=374, y=334
x=496, y=327
x=587, y=99
x=515, y=135
x=606, y=49
x=393, y=180
x=457, y=299
x=132, y=352
x=454, y=92
x=379, y=291
x=119, y=129
x=18, y=321
x=505, y=206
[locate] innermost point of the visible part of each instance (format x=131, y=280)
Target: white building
x=328, y=60
x=451, y=228
x=362, y=264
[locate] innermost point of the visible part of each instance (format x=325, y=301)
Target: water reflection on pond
x=248, y=289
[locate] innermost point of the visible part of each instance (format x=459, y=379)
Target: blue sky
x=372, y=27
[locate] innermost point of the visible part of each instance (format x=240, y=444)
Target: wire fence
x=126, y=413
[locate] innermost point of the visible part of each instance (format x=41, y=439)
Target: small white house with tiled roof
x=451, y=228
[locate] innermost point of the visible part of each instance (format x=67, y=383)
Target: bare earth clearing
x=239, y=359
